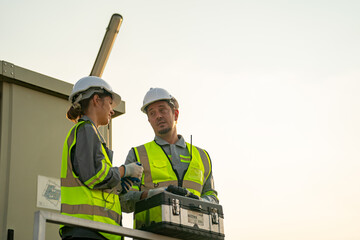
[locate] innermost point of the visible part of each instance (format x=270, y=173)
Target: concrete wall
x=33, y=129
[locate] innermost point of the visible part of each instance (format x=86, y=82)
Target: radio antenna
x=190, y=147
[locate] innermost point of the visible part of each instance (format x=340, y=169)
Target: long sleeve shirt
x=87, y=156
x=177, y=153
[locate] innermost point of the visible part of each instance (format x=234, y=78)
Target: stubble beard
x=164, y=131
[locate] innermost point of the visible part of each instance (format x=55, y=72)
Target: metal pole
x=39, y=226
x=106, y=45
x=104, y=52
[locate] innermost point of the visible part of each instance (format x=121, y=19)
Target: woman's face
x=105, y=111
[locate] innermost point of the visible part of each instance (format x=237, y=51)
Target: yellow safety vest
x=158, y=171
x=81, y=200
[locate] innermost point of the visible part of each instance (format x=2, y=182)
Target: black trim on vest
x=135, y=154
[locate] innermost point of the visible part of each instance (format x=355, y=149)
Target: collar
x=86, y=118
x=180, y=143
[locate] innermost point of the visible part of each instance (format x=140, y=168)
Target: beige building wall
x=33, y=129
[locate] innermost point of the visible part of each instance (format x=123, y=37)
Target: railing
x=42, y=217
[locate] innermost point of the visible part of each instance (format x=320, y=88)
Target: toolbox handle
x=195, y=207
x=181, y=191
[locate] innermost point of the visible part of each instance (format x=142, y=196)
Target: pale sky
x=269, y=88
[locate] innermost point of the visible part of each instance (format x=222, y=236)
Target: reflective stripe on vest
x=80, y=200
x=158, y=171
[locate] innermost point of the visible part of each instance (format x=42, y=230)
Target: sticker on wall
x=48, y=193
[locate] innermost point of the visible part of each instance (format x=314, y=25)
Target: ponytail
x=74, y=113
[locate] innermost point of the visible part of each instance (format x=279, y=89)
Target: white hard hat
x=87, y=86
x=158, y=94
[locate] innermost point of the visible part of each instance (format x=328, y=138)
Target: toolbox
x=180, y=217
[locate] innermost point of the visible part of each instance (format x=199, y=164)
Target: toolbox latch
x=214, y=216
x=176, y=206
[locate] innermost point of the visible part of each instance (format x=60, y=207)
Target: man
x=168, y=160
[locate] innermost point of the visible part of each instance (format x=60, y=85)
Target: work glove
x=133, y=170
x=155, y=191
x=181, y=191
x=127, y=182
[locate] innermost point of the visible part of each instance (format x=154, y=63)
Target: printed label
x=196, y=218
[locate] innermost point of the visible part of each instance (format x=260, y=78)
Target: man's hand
x=152, y=192
x=181, y=191
x=155, y=191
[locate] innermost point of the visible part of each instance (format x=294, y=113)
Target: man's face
x=161, y=117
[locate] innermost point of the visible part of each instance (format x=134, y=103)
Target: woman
x=89, y=183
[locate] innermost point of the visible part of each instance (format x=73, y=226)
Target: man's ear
x=176, y=112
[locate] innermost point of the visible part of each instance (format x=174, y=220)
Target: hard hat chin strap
x=76, y=105
x=174, y=103
x=171, y=102
x=87, y=94
x=77, y=99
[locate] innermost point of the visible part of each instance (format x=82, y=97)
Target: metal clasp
x=214, y=216
x=176, y=206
